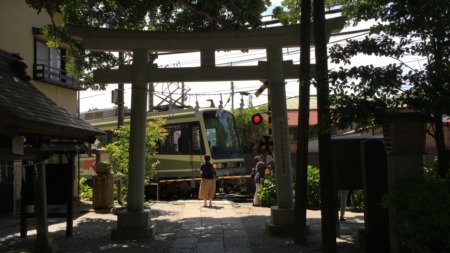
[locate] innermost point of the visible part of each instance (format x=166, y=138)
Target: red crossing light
x=257, y=119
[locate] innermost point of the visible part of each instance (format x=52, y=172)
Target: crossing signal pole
x=264, y=86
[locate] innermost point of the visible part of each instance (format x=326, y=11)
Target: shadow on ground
x=92, y=231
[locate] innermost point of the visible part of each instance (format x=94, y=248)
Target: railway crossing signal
x=264, y=86
x=257, y=119
x=265, y=144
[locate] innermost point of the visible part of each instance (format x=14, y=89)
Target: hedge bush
x=85, y=189
x=423, y=214
x=268, y=195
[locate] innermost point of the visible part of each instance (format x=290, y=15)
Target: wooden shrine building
x=38, y=145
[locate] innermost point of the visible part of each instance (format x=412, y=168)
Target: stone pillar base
x=133, y=226
x=282, y=221
x=283, y=230
x=45, y=245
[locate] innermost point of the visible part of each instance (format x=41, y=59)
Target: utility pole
x=120, y=97
x=151, y=90
x=151, y=86
x=232, y=95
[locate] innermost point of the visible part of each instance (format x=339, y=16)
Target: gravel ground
x=254, y=220
x=92, y=231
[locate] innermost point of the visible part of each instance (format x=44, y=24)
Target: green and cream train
x=191, y=134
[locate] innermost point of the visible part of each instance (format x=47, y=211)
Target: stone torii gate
x=135, y=223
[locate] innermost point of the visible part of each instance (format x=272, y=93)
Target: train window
x=222, y=135
x=183, y=138
x=211, y=134
x=170, y=145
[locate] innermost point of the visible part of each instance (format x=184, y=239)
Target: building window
x=49, y=66
x=50, y=57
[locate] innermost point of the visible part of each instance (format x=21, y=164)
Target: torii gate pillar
x=282, y=215
x=135, y=222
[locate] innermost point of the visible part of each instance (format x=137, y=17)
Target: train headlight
x=218, y=165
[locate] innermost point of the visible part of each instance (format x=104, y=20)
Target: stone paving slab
x=210, y=237
x=208, y=247
x=185, y=242
x=181, y=227
x=221, y=229
x=194, y=232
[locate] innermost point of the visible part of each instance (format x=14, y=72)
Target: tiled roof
x=26, y=110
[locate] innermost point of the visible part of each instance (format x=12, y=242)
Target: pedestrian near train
x=259, y=176
x=343, y=203
x=208, y=183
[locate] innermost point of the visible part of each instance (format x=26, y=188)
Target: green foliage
x=357, y=200
x=373, y=98
x=423, y=214
x=267, y=193
x=289, y=11
x=119, y=151
x=313, y=187
x=250, y=134
x=431, y=173
x=85, y=189
x=403, y=30
x=158, y=15
x=50, y=6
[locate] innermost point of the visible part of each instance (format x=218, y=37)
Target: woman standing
x=259, y=176
x=208, y=184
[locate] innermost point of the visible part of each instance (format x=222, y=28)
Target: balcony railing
x=47, y=74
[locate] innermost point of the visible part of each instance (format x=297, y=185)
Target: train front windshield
x=222, y=135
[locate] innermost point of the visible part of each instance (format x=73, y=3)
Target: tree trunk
x=301, y=199
x=328, y=193
x=437, y=79
x=443, y=157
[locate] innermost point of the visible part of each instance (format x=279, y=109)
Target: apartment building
x=20, y=27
